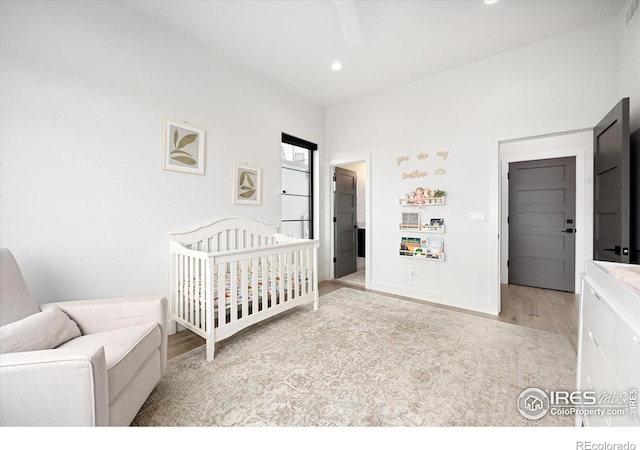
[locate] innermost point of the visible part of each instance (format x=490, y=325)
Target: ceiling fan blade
x=349, y=20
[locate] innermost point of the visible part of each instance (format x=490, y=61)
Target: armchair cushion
x=97, y=316
x=44, y=330
x=126, y=350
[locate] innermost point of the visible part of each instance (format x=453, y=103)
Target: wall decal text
x=415, y=174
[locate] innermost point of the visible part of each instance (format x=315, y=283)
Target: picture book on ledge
x=427, y=248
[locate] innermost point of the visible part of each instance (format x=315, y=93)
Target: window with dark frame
x=297, y=187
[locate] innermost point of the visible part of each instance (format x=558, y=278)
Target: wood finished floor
x=541, y=309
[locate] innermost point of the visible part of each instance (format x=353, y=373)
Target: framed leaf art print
x=247, y=182
x=182, y=147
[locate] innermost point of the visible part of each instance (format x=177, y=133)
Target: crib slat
x=310, y=272
x=287, y=268
x=202, y=296
x=223, y=244
x=187, y=290
x=314, y=277
x=245, y=287
x=221, y=294
x=198, y=297
x=195, y=281
x=192, y=289
x=281, y=272
x=270, y=286
x=307, y=274
x=180, y=292
x=266, y=283
x=233, y=299
x=300, y=272
x=208, y=298
x=295, y=273
x=252, y=304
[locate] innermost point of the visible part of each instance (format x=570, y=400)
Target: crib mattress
x=288, y=280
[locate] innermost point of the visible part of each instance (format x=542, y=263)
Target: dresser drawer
x=600, y=373
x=586, y=384
x=600, y=319
x=625, y=358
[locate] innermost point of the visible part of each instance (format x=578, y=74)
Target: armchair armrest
x=60, y=387
x=95, y=316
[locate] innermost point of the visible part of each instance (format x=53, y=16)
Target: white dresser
x=609, y=338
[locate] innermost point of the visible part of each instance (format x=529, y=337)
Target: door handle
x=568, y=230
x=616, y=250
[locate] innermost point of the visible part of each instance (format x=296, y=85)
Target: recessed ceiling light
x=336, y=66
x=490, y=2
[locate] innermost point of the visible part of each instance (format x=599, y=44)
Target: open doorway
x=579, y=145
x=350, y=231
x=554, y=308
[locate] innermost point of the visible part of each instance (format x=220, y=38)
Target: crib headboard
x=227, y=234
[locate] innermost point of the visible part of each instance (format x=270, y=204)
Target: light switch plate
x=478, y=216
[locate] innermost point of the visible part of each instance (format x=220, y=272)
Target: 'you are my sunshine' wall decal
x=417, y=173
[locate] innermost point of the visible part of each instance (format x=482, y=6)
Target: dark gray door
x=611, y=196
x=542, y=223
x=345, y=226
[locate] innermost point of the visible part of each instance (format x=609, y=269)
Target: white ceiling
x=294, y=42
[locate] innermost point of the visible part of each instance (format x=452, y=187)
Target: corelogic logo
x=533, y=403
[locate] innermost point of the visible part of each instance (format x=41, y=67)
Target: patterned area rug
x=365, y=360
x=356, y=278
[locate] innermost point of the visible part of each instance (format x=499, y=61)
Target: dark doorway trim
x=292, y=140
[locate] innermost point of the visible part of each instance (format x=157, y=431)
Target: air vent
x=630, y=13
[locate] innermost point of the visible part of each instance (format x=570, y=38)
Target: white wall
x=629, y=66
x=565, y=83
x=84, y=204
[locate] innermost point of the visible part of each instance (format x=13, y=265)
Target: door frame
x=367, y=213
x=578, y=144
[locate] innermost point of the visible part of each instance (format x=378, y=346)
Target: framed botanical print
x=183, y=147
x=247, y=184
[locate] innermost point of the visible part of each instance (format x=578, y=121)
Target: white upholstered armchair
x=76, y=363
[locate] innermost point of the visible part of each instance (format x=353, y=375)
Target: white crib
x=255, y=270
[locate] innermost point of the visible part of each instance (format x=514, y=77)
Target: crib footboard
x=190, y=288
x=215, y=295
